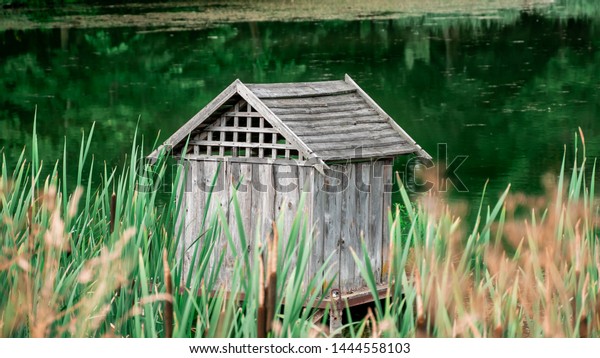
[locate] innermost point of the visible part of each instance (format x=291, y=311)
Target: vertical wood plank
x=318, y=198
x=306, y=181
x=198, y=198
x=332, y=221
x=362, y=185
x=256, y=207
x=220, y=199
x=224, y=196
x=248, y=137
x=263, y=201
x=192, y=224
x=261, y=138
x=376, y=214
x=180, y=223
x=236, y=124
x=188, y=239
x=222, y=138
x=267, y=205
x=349, y=230
x=207, y=174
x=241, y=177
x=286, y=201
x=209, y=148
x=387, y=203
x=246, y=201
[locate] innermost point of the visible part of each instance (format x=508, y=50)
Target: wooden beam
x=253, y=160
x=253, y=145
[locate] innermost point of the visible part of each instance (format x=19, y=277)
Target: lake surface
x=509, y=90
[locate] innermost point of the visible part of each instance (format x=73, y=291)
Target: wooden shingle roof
x=326, y=121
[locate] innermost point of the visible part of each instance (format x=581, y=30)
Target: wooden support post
x=335, y=319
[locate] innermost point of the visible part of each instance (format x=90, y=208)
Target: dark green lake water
x=507, y=92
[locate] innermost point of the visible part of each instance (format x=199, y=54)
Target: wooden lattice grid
x=243, y=133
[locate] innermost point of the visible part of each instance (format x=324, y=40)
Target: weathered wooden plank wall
x=362, y=218
x=342, y=207
x=332, y=225
x=265, y=192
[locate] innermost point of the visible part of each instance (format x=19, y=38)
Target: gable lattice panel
x=242, y=132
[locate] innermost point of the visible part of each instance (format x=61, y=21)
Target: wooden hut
x=328, y=139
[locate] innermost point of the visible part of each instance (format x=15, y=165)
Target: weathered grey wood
x=194, y=207
x=241, y=114
x=241, y=176
x=385, y=143
x=332, y=221
x=192, y=221
x=273, y=119
x=287, y=190
x=263, y=200
x=224, y=143
x=308, y=127
x=240, y=130
x=284, y=90
x=215, y=143
x=180, y=223
x=330, y=156
x=199, y=202
x=361, y=149
x=333, y=121
x=318, y=200
x=352, y=153
x=300, y=111
x=376, y=214
x=420, y=151
x=206, y=174
x=316, y=131
x=319, y=101
x=224, y=200
x=350, y=234
x=251, y=160
x=306, y=180
x=387, y=203
x=362, y=186
x=343, y=139
x=267, y=206
x=366, y=111
x=219, y=199
x=310, y=110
